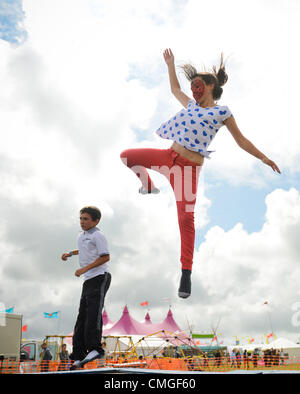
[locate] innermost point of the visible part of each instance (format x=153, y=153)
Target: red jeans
x=183, y=176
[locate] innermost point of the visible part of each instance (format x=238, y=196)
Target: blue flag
x=53, y=315
x=9, y=310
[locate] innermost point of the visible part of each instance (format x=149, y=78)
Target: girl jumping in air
x=192, y=129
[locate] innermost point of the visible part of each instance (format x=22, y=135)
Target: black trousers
x=88, y=328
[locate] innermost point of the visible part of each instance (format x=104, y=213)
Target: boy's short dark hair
x=94, y=212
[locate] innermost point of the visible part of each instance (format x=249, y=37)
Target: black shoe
x=142, y=190
x=74, y=361
x=93, y=355
x=185, y=286
x=75, y=365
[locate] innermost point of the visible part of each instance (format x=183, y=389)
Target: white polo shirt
x=91, y=245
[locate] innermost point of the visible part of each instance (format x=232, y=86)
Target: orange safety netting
x=208, y=364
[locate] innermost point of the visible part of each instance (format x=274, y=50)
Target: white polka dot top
x=195, y=127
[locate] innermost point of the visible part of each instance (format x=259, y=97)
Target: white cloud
x=239, y=271
x=91, y=70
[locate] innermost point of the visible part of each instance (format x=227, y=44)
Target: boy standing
x=93, y=259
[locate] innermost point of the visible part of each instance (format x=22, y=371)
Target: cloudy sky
x=82, y=80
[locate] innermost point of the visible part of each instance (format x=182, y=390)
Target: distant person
x=218, y=358
x=191, y=131
x=45, y=357
x=281, y=356
x=233, y=358
x=246, y=359
x=93, y=259
x=64, y=357
x=255, y=358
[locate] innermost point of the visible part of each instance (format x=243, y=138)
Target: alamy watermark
x=184, y=181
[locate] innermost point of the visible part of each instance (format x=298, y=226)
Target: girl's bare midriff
x=188, y=154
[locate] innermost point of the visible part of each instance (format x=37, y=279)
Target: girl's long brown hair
x=218, y=76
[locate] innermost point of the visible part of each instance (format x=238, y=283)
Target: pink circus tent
x=169, y=324
x=147, y=319
x=127, y=325
x=106, y=320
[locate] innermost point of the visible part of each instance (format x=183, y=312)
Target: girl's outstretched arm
x=174, y=83
x=245, y=144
